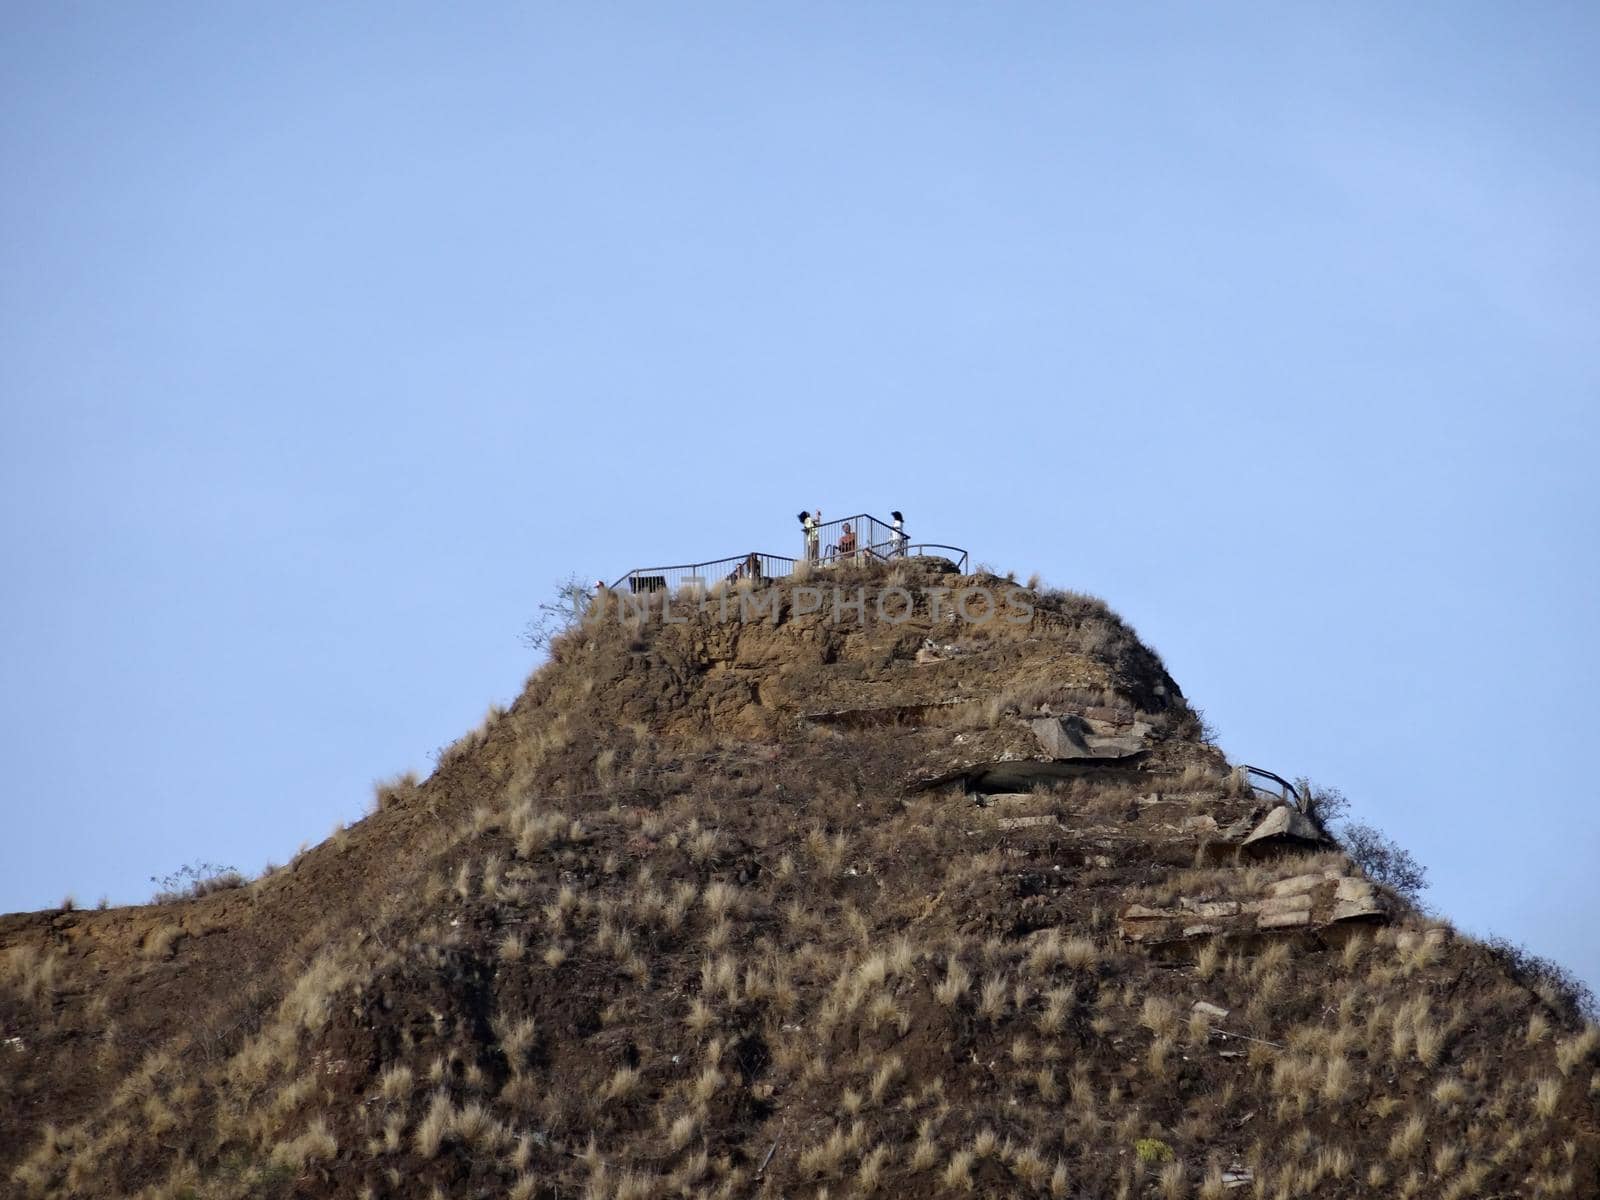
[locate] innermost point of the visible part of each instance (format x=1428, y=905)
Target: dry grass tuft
x=316, y=1144
x=958, y=1171
x=956, y=982
x=1408, y=1139
x=512, y=947
x=33, y=974
x=623, y=1084
x=433, y=1127
x=1546, y=1098
x=992, y=998
x=160, y=942
x=397, y=789
x=1577, y=1049
x=395, y=1084
x=682, y=1132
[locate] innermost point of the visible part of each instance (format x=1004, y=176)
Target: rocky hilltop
x=815, y=904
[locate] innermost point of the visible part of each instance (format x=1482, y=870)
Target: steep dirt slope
x=800, y=908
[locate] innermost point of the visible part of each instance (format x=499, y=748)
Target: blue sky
x=331, y=336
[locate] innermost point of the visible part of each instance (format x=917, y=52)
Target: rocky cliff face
x=811, y=904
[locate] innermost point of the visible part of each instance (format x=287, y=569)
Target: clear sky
x=332, y=335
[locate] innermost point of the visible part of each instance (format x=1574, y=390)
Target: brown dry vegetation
x=689, y=919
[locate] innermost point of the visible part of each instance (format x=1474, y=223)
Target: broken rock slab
x=1141, y=923
x=1140, y=912
x=1002, y=799
x=1210, y=909
x=1026, y=822
x=1358, y=910
x=1065, y=738
x=1128, y=746
x=1356, y=900
x=1298, y=902
x=1058, y=738
x=1284, y=826
x=1284, y=920
x=1294, y=884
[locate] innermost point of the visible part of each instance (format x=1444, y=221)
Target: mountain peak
x=876, y=879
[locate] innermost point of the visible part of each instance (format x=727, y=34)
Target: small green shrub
x=1151, y=1151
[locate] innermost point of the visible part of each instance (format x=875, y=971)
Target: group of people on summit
x=848, y=543
x=754, y=566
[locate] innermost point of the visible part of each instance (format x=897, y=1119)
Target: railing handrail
x=961, y=562
x=863, y=525
x=897, y=549
x=1287, y=789
x=710, y=562
x=856, y=518
x=904, y=549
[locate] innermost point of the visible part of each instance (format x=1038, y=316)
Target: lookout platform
x=875, y=541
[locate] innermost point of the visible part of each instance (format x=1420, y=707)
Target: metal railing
x=870, y=539
x=755, y=565
x=891, y=551
x=865, y=531
x=1285, y=790
x=928, y=550
x=875, y=541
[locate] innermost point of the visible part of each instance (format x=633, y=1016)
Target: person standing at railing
x=898, y=541
x=811, y=524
